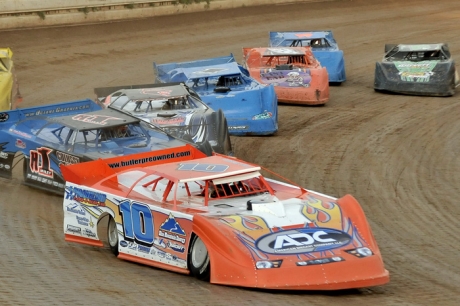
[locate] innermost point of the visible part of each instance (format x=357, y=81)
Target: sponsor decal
x=25, y=135
x=237, y=127
x=67, y=159
x=319, y=261
x=416, y=72
x=85, y=196
x=268, y=264
x=20, y=144
x=160, y=242
x=123, y=243
x=171, y=230
x=171, y=236
x=73, y=229
x=287, y=51
x=89, y=233
x=304, y=35
x=303, y=240
x=161, y=92
x=149, y=159
x=360, y=252
x=95, y=119
x=3, y=155
x=44, y=180
x=76, y=209
x=176, y=247
x=208, y=71
x=40, y=162
x=173, y=121
x=287, y=78
x=4, y=117
x=202, y=167
x=132, y=246
x=143, y=249
x=264, y=115
x=57, y=110
x=82, y=220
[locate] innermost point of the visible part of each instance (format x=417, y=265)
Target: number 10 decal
x=137, y=222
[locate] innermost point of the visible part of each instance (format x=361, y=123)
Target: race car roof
x=301, y=35
x=210, y=71
x=95, y=120
x=420, y=47
x=155, y=92
x=201, y=169
x=283, y=51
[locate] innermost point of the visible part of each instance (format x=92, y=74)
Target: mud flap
x=55, y=184
x=6, y=164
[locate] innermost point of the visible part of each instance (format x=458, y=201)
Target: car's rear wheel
x=112, y=235
x=198, y=259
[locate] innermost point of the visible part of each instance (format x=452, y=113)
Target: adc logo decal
x=302, y=240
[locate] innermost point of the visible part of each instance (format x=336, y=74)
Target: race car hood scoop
x=275, y=208
x=167, y=115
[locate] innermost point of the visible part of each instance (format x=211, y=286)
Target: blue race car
x=72, y=132
x=250, y=107
x=323, y=45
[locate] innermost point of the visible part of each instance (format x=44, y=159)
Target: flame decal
x=323, y=214
x=247, y=224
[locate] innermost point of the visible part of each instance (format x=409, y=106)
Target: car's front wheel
x=112, y=235
x=198, y=259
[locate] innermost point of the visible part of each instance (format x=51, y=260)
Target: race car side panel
x=40, y=161
x=247, y=258
x=6, y=89
x=314, y=93
x=416, y=78
x=146, y=234
x=334, y=63
x=250, y=112
x=9, y=89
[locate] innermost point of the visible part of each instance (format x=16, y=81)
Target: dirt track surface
x=398, y=155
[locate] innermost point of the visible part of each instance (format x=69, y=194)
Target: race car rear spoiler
x=103, y=92
x=51, y=110
x=91, y=172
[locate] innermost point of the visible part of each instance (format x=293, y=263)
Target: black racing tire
x=112, y=235
x=198, y=259
x=25, y=168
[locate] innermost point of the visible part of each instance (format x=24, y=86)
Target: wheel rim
x=113, y=233
x=199, y=253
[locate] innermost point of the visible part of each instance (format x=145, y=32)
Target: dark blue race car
x=323, y=45
x=251, y=108
x=72, y=132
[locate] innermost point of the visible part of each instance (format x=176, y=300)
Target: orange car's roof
x=201, y=169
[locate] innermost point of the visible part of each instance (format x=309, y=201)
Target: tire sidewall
x=203, y=271
x=112, y=244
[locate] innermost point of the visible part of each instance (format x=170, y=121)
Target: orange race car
x=297, y=75
x=219, y=219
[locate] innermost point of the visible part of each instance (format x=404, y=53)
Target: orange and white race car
x=219, y=219
x=297, y=75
